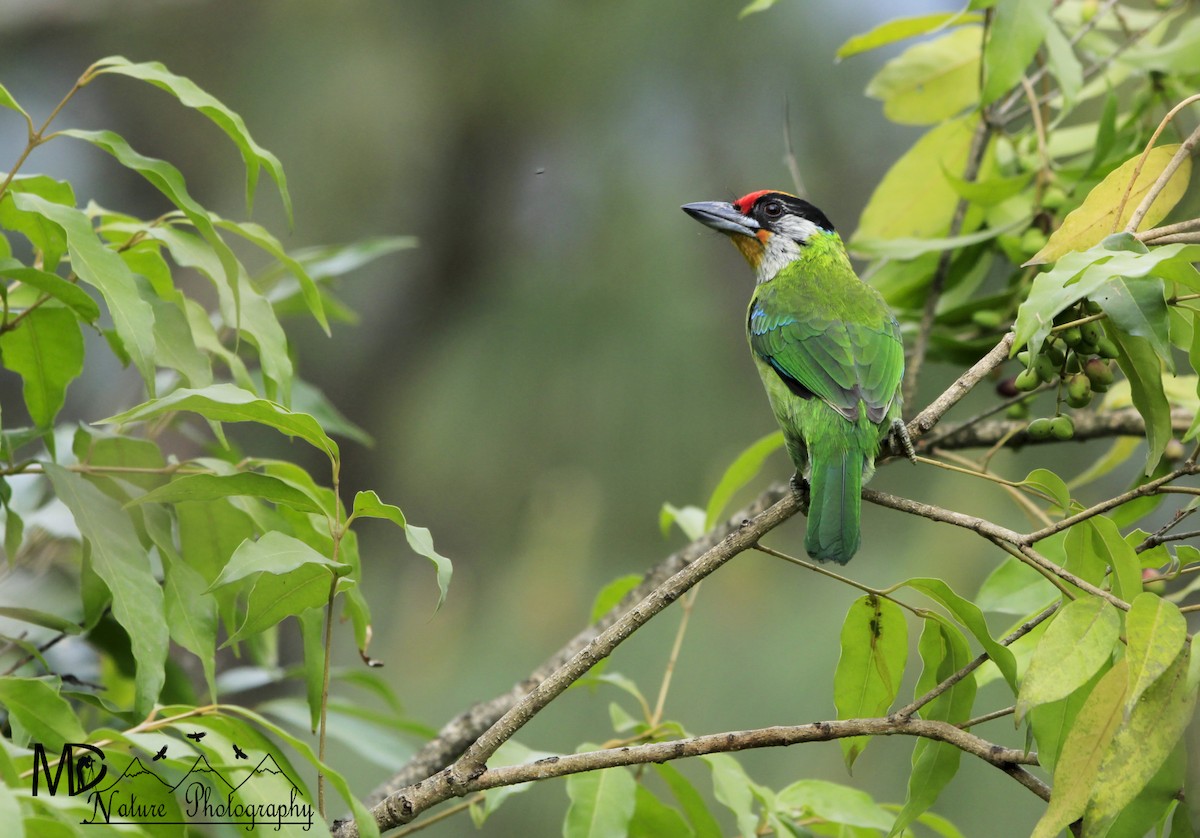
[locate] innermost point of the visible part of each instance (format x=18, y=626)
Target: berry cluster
x=1079, y=357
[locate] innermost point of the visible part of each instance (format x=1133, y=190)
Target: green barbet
x=828, y=350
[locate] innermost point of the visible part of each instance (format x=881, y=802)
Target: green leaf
x=367, y=828
x=943, y=651
x=1096, y=217
x=909, y=202
x=177, y=346
x=1082, y=753
x=104, y=270
x=612, y=593
x=40, y=618
x=259, y=235
x=1120, y=557
x=755, y=6
x=1077, y=643
x=420, y=540
x=602, y=804
x=510, y=753
x=734, y=789
x=167, y=180
x=1121, y=450
x=1063, y=63
x=1051, y=723
x=695, y=809
x=833, y=803
x=739, y=473
x=1015, y=588
x=874, y=649
x=274, y=553
x=120, y=560
x=192, y=616
x=969, y=616
x=368, y=505
x=67, y=293
x=39, y=710
x=1142, y=744
x=931, y=80
x=1050, y=484
x=47, y=238
x=7, y=101
x=1138, y=308
x=277, y=596
x=11, y=816
x=1017, y=30
x=901, y=29
x=1156, y=633
x=910, y=248
x=229, y=403
x=1142, y=367
x=46, y=350
x=690, y=520
x=200, y=487
x=190, y=95
x=654, y=819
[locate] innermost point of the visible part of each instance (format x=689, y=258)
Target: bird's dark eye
x=772, y=209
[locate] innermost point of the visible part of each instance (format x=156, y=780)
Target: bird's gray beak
x=722, y=217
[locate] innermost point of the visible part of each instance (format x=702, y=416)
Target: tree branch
x=409, y=802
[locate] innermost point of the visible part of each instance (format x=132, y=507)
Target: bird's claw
x=901, y=442
x=800, y=489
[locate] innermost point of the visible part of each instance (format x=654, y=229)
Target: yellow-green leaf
x=1074, y=647
x=1096, y=217
x=902, y=28
x=931, y=80
x=874, y=645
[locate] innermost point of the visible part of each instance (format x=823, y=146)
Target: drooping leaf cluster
x=153, y=527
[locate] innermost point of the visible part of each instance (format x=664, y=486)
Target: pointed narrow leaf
x=191, y=96
x=1142, y=367
x=874, y=649
x=7, y=101
x=197, y=487
x=694, y=807
x=229, y=403
x=420, y=540
x=259, y=235
x=1120, y=557
x=970, y=617
x=274, y=553
x=740, y=472
x=191, y=616
x=368, y=505
x=107, y=272
x=1017, y=30
x=1076, y=644
x=901, y=29
x=67, y=293
x=120, y=560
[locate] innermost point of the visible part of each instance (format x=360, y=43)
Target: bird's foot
x=800, y=489
x=901, y=442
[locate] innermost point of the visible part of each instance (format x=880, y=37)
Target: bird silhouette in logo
x=162, y=753
x=238, y=752
x=198, y=735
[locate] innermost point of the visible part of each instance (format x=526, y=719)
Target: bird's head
x=771, y=229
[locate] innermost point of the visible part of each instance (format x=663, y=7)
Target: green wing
x=839, y=362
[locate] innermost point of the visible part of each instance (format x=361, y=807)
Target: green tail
x=835, y=502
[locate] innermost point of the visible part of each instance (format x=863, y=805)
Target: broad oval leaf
x=932, y=80
x=41, y=712
x=1156, y=632
x=874, y=650
x=46, y=350
x=602, y=804
x=274, y=553
x=1096, y=217
x=1074, y=647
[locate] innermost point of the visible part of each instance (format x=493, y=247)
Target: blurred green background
x=564, y=350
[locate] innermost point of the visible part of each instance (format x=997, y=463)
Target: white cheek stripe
x=783, y=247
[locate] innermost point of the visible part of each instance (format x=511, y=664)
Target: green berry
x=1073, y=363
x=1072, y=336
x=1026, y=381
x=1061, y=427
x=1054, y=351
x=1033, y=240
x=1079, y=391
x=1039, y=429
x=1091, y=332
x=1092, y=307
x=1106, y=348
x=1099, y=373
x=1044, y=367
x=1018, y=410
x=1054, y=198
x=1023, y=356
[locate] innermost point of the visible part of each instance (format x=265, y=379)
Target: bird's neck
x=822, y=251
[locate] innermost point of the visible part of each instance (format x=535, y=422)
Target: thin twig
x=816, y=568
